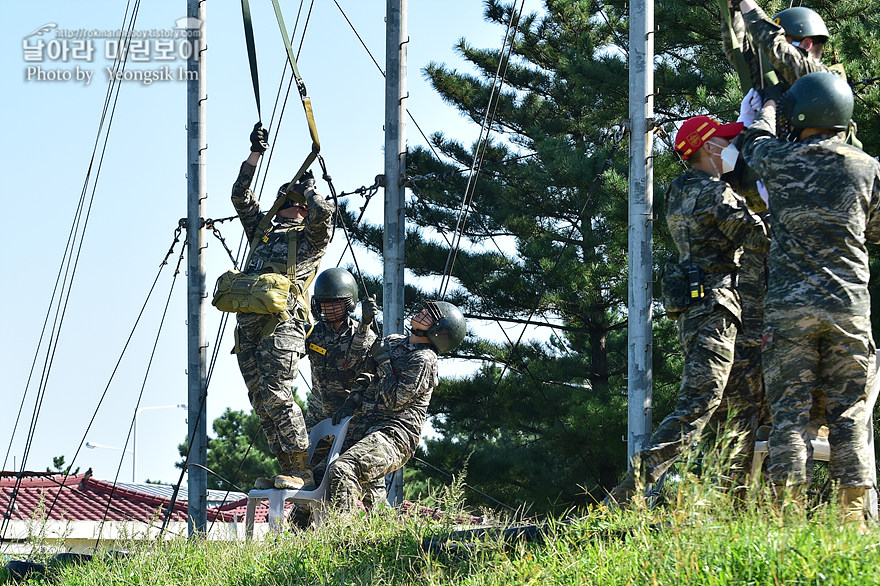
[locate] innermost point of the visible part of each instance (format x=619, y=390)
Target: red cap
x=697, y=130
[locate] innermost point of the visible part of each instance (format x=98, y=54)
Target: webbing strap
x=307, y=103
x=252, y=52
x=739, y=60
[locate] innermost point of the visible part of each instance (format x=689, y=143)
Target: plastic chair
x=315, y=498
x=822, y=449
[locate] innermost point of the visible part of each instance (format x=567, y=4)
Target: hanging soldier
x=289, y=239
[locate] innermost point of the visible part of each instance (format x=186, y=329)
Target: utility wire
x=482, y=144
x=118, y=362
x=69, y=271
x=143, y=386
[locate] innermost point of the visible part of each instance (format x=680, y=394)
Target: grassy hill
x=700, y=536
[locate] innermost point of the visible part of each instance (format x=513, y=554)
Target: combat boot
x=295, y=472
x=621, y=495
x=852, y=504
x=263, y=483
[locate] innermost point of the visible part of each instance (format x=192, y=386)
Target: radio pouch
x=695, y=282
x=674, y=288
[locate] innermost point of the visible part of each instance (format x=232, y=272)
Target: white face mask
x=729, y=155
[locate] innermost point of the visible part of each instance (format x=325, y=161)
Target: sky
x=50, y=124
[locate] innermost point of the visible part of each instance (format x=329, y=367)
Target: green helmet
x=335, y=285
x=449, y=327
x=801, y=22
x=817, y=100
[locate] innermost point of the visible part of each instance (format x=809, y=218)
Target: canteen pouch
x=675, y=289
x=251, y=293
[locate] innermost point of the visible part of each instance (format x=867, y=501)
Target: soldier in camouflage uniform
x=743, y=409
x=268, y=359
x=824, y=200
x=390, y=401
x=793, y=40
x=337, y=347
x=709, y=223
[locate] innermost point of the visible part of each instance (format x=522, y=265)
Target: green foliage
x=546, y=241
x=546, y=234
x=58, y=463
x=239, y=453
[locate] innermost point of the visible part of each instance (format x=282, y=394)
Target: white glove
x=749, y=108
x=762, y=191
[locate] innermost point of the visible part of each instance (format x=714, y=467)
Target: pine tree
x=545, y=235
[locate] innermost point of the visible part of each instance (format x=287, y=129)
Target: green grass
x=700, y=536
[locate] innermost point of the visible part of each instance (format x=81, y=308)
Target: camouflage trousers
x=269, y=366
x=814, y=355
x=742, y=407
x=359, y=473
x=708, y=340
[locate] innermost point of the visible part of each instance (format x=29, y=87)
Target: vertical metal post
x=641, y=212
x=395, y=169
x=134, y=448
x=196, y=145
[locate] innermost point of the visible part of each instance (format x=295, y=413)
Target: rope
x=464, y=484
x=376, y=63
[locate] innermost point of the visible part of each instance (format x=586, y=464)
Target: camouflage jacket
x=790, y=62
x=393, y=397
x=312, y=241
x=709, y=223
x=824, y=200
x=336, y=358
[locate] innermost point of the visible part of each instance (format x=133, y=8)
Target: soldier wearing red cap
x=710, y=224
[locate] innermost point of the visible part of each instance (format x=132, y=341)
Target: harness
x=300, y=288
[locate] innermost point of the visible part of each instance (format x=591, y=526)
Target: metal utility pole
x=196, y=145
x=395, y=169
x=641, y=212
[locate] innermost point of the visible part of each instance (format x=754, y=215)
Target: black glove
x=306, y=182
x=380, y=351
x=347, y=410
x=259, y=139
x=369, y=309
x=771, y=92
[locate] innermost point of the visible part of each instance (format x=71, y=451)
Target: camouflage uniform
x=336, y=358
x=709, y=223
x=790, y=62
x=824, y=200
x=269, y=363
x=744, y=408
x=391, y=410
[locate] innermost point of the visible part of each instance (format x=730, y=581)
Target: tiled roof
x=82, y=497
x=215, y=497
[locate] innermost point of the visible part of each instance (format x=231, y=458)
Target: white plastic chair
x=822, y=449
x=316, y=498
